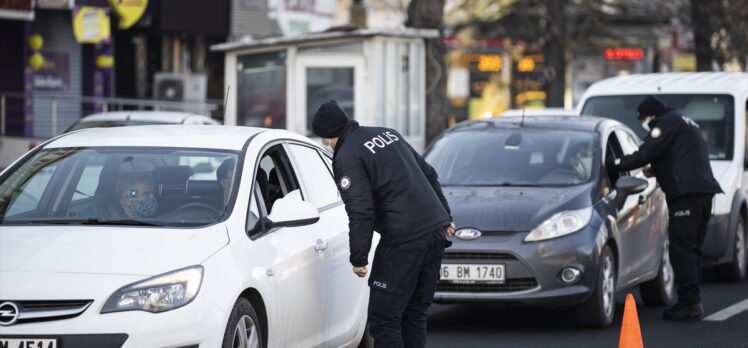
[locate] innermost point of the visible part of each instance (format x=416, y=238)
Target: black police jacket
x=387, y=187
x=678, y=154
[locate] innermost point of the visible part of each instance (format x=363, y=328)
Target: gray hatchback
x=541, y=221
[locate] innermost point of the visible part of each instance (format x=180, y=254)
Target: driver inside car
x=135, y=195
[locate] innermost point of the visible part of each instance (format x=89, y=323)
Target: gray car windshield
x=119, y=186
x=514, y=157
x=713, y=113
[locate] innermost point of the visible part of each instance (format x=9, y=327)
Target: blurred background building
x=64, y=59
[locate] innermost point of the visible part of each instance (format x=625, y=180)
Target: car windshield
x=514, y=157
x=713, y=113
x=119, y=185
x=107, y=124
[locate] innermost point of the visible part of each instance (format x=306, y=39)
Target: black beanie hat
x=329, y=120
x=651, y=105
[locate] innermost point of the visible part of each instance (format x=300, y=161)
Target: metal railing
x=13, y=106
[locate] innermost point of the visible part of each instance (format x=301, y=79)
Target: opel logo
x=8, y=313
x=468, y=234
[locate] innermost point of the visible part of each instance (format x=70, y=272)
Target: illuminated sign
x=484, y=62
x=623, y=53
x=526, y=64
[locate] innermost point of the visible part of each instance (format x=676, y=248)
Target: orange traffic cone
x=631, y=334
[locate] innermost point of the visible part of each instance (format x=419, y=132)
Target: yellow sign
x=91, y=25
x=129, y=11
x=526, y=64
x=684, y=62
x=489, y=62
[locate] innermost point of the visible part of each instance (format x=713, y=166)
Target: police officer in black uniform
x=388, y=188
x=679, y=158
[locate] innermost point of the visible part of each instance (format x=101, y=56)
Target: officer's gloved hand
x=360, y=271
x=648, y=172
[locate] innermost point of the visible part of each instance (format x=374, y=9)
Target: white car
x=265, y=267
x=137, y=118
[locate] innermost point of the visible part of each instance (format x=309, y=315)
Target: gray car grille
x=478, y=256
x=511, y=285
x=36, y=311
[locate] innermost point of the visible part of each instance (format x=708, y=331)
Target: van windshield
x=714, y=114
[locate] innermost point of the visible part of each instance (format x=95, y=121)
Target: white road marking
x=729, y=312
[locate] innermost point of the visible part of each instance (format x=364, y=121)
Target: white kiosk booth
x=377, y=76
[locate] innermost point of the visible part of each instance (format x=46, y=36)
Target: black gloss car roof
x=576, y=123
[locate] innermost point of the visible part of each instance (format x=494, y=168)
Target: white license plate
x=27, y=343
x=461, y=273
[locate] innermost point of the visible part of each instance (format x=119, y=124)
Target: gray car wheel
x=600, y=309
x=243, y=329
x=661, y=290
x=736, y=269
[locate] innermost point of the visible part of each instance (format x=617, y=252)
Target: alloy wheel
x=608, y=286
x=245, y=334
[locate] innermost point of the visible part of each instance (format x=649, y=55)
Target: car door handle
x=320, y=246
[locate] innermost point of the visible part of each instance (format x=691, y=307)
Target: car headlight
x=158, y=294
x=561, y=224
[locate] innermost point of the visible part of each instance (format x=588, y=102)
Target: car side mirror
x=291, y=212
x=628, y=185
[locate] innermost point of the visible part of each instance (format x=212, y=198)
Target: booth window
x=323, y=84
x=261, y=90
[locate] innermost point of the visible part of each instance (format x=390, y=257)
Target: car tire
x=366, y=341
x=599, y=310
x=736, y=269
x=661, y=290
x=243, y=329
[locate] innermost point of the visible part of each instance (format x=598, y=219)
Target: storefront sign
x=623, y=53
x=54, y=74
x=91, y=25
x=128, y=11
x=17, y=9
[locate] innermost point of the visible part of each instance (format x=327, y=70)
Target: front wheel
x=243, y=329
x=661, y=290
x=736, y=269
x=599, y=310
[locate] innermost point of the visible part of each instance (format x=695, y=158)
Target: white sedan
x=147, y=236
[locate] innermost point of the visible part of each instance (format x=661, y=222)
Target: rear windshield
x=713, y=113
x=119, y=186
x=514, y=157
x=108, y=124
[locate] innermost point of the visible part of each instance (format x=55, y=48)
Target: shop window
x=324, y=84
x=261, y=90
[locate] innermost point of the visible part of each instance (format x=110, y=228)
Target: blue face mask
x=146, y=208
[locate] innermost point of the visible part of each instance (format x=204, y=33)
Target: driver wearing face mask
x=135, y=195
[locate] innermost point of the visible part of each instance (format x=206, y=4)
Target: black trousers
x=403, y=281
x=689, y=218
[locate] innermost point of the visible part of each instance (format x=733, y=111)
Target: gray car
x=540, y=221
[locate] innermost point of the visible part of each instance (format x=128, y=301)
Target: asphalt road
x=490, y=325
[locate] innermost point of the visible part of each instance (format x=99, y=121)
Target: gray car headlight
x=157, y=294
x=561, y=224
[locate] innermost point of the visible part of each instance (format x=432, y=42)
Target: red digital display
x=624, y=53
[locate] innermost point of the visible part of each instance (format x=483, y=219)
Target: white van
x=718, y=102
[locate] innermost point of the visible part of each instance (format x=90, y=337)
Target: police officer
x=388, y=188
x=679, y=159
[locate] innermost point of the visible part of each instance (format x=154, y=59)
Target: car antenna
x=225, y=102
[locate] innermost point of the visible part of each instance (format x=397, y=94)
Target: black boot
x=682, y=311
